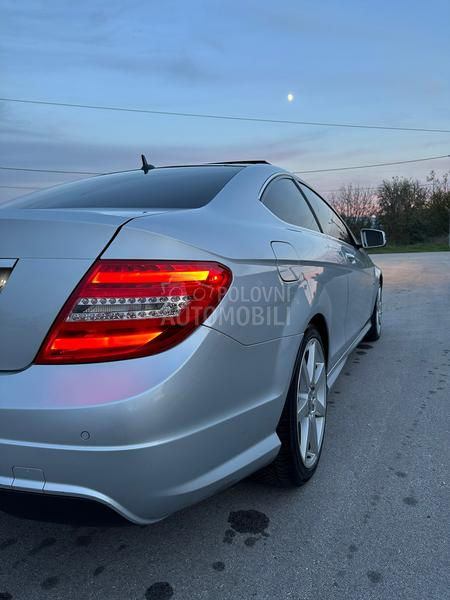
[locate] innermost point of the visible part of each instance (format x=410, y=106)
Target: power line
x=20, y=187
x=50, y=171
x=398, y=162
x=218, y=116
x=386, y=164
x=364, y=187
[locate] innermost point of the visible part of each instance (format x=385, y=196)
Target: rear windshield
x=174, y=187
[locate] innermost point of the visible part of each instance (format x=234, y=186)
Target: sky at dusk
x=356, y=61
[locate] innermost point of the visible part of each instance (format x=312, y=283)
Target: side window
x=283, y=198
x=328, y=219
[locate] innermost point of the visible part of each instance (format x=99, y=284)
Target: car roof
x=224, y=163
x=273, y=170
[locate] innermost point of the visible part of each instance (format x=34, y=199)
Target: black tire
x=288, y=469
x=374, y=332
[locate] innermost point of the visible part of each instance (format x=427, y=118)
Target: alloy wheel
x=311, y=402
x=378, y=311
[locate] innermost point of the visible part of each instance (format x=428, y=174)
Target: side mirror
x=373, y=238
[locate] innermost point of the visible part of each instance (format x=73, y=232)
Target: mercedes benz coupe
x=166, y=332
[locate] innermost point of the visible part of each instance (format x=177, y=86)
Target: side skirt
x=333, y=373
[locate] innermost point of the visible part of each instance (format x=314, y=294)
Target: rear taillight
x=131, y=308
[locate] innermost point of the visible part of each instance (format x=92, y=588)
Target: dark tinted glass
x=284, y=199
x=177, y=187
x=328, y=219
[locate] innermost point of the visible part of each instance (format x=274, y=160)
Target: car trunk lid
x=57, y=233
x=43, y=255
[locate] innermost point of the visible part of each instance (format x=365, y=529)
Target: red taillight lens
x=126, y=309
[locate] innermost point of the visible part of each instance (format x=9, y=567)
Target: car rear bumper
x=146, y=436
x=132, y=480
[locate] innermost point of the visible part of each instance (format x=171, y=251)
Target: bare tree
x=357, y=204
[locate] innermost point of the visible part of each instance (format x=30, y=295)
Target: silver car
x=169, y=331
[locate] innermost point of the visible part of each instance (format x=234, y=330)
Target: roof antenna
x=145, y=165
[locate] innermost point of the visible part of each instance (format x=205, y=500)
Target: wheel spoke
x=311, y=362
x=304, y=437
x=320, y=406
x=321, y=392
x=312, y=436
x=318, y=373
x=302, y=405
x=305, y=374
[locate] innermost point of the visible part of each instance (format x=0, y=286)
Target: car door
x=361, y=280
x=362, y=290
x=323, y=265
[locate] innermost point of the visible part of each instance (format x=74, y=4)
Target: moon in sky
x=290, y=97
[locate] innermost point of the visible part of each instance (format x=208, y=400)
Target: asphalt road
x=372, y=523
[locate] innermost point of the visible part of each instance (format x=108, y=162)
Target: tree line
x=408, y=211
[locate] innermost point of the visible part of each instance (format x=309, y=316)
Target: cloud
x=57, y=151
x=185, y=68
x=67, y=36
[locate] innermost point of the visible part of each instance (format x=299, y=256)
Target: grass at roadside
x=430, y=247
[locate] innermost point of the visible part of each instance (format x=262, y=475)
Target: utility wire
x=217, y=116
x=363, y=187
x=398, y=162
x=20, y=187
x=50, y=171
x=386, y=164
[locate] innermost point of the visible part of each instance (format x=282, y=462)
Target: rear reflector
x=127, y=309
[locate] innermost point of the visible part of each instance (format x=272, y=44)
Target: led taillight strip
x=133, y=308
x=149, y=277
